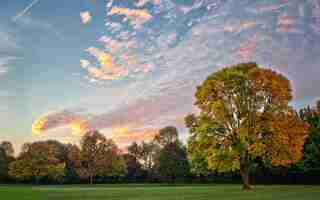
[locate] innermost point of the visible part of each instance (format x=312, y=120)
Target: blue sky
x=128, y=68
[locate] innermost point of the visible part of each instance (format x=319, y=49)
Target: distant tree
x=135, y=150
x=99, y=157
x=149, y=151
x=167, y=135
x=39, y=160
x=3, y=165
x=172, y=162
x=132, y=158
x=311, y=154
x=245, y=116
x=318, y=107
x=73, y=163
x=8, y=148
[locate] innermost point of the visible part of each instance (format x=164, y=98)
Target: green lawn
x=156, y=192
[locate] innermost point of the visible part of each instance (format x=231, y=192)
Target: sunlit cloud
x=84, y=63
x=126, y=138
x=286, y=24
x=243, y=25
x=53, y=120
x=85, y=17
x=79, y=127
x=137, y=17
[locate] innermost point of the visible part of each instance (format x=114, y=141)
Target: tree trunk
x=244, y=171
x=91, y=179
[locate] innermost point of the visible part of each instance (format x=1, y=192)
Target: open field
x=157, y=192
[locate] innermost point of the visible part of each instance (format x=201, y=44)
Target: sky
x=130, y=67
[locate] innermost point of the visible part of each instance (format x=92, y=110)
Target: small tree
x=8, y=148
x=245, y=116
x=99, y=156
x=172, y=163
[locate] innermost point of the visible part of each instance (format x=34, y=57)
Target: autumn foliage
x=245, y=116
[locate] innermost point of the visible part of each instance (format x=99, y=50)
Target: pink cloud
x=137, y=17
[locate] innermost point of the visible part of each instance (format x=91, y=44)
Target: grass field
x=157, y=192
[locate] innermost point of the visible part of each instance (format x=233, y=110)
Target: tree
x=167, y=135
x=8, y=148
x=99, y=156
x=73, y=163
x=3, y=165
x=311, y=153
x=172, y=163
x=39, y=160
x=244, y=117
x=134, y=168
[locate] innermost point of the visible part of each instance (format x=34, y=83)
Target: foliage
x=245, y=116
x=99, y=157
x=167, y=135
x=3, y=165
x=311, y=156
x=8, y=148
x=173, y=163
x=39, y=160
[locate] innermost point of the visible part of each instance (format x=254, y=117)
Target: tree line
x=96, y=160
x=245, y=131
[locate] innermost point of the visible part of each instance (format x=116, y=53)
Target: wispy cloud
x=138, y=17
x=25, y=10
x=5, y=62
x=34, y=23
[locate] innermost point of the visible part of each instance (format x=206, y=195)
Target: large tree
x=245, y=116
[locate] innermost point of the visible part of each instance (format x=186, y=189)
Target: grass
x=158, y=192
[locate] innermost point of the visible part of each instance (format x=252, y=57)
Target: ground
x=158, y=192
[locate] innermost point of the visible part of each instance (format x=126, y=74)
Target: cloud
x=287, y=24
x=141, y=3
x=137, y=17
x=107, y=70
x=5, y=62
x=54, y=120
x=241, y=26
x=269, y=8
x=8, y=41
x=124, y=139
x=316, y=16
x=247, y=50
x=85, y=17
x=25, y=10
x=84, y=63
